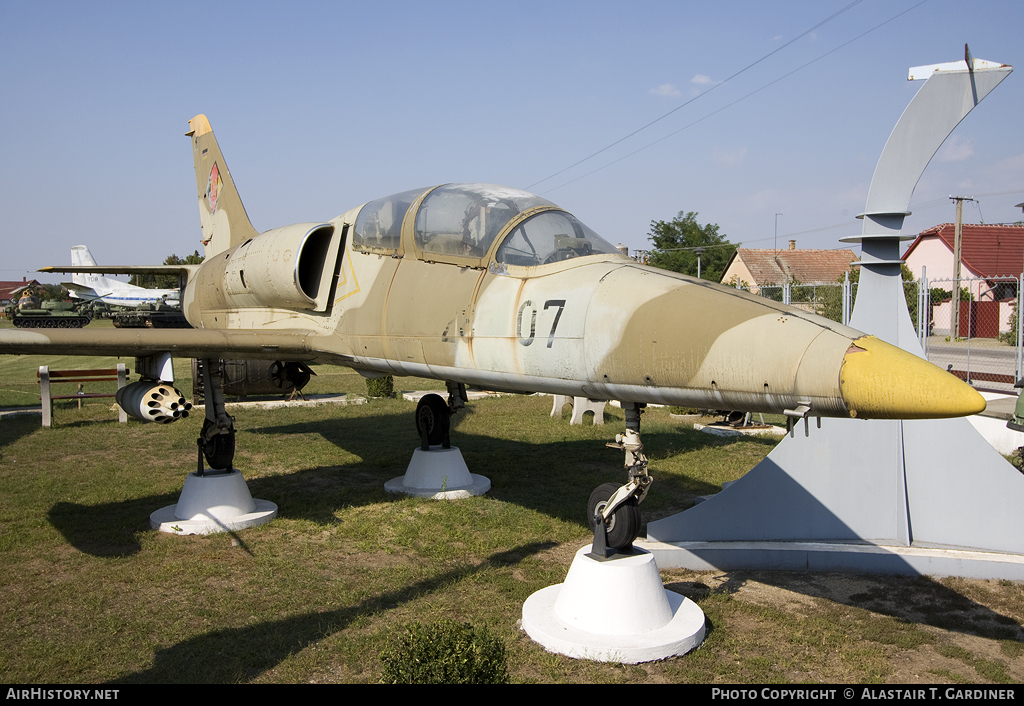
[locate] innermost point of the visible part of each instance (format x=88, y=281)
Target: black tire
x=220, y=450
x=624, y=524
x=433, y=418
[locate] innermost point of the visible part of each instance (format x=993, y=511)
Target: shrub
x=445, y=652
x=1010, y=337
x=381, y=387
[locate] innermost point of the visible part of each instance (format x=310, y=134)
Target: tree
x=52, y=292
x=165, y=281
x=674, y=242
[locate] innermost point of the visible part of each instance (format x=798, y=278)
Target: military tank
x=151, y=315
x=30, y=313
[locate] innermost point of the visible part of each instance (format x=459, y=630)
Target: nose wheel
x=622, y=526
x=613, y=511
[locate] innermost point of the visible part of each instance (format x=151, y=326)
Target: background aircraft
x=489, y=286
x=96, y=287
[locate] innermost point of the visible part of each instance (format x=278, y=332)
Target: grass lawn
x=91, y=595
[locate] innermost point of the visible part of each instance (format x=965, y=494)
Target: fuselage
x=501, y=289
x=125, y=295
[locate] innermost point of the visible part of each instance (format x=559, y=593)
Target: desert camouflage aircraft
x=497, y=288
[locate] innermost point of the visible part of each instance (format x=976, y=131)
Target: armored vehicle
x=151, y=315
x=30, y=313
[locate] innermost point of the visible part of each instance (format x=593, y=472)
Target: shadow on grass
x=910, y=600
x=108, y=529
x=554, y=478
x=242, y=654
x=15, y=426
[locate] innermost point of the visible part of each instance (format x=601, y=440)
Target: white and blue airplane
x=113, y=292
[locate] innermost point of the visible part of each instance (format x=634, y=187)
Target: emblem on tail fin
x=213, y=187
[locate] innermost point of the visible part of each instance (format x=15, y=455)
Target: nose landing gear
x=613, y=511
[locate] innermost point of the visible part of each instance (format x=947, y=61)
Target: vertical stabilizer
x=221, y=213
x=80, y=255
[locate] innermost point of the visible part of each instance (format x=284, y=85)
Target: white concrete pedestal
x=580, y=406
x=439, y=473
x=615, y=610
x=215, y=502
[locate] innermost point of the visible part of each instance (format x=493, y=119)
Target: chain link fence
x=978, y=336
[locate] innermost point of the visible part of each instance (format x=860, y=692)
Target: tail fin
x=221, y=213
x=80, y=255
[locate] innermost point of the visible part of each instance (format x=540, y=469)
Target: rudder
x=80, y=256
x=221, y=213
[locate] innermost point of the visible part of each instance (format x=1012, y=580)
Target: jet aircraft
x=95, y=287
x=490, y=286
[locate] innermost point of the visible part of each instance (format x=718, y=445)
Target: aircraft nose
x=880, y=381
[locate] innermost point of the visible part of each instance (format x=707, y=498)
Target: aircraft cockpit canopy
x=459, y=224
x=551, y=236
x=464, y=219
x=379, y=223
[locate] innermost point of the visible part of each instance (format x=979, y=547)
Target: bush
x=381, y=387
x=1010, y=337
x=445, y=652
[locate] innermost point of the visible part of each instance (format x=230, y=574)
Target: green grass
x=91, y=595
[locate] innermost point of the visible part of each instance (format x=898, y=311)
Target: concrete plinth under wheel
x=615, y=610
x=214, y=502
x=439, y=473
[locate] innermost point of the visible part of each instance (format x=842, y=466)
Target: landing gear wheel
x=433, y=419
x=624, y=524
x=219, y=450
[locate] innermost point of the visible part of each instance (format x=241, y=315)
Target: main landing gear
x=433, y=416
x=217, y=440
x=613, y=510
x=437, y=469
x=214, y=499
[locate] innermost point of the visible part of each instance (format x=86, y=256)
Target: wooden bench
x=49, y=377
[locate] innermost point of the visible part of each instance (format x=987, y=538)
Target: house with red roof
x=991, y=255
x=992, y=259
x=7, y=287
x=774, y=268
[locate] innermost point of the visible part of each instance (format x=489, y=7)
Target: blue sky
x=324, y=106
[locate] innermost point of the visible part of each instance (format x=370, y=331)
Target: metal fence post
x=1020, y=327
x=922, y=310
x=846, y=299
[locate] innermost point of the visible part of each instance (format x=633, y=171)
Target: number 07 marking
x=560, y=303
x=527, y=340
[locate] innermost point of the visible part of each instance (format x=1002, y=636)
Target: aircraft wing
x=177, y=270
x=299, y=346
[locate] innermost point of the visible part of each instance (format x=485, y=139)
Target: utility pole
x=957, y=238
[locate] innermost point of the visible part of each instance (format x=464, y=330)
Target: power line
x=700, y=95
x=729, y=105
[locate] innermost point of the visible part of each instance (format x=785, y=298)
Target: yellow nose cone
x=881, y=381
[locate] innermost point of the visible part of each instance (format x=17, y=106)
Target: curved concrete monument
x=915, y=497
